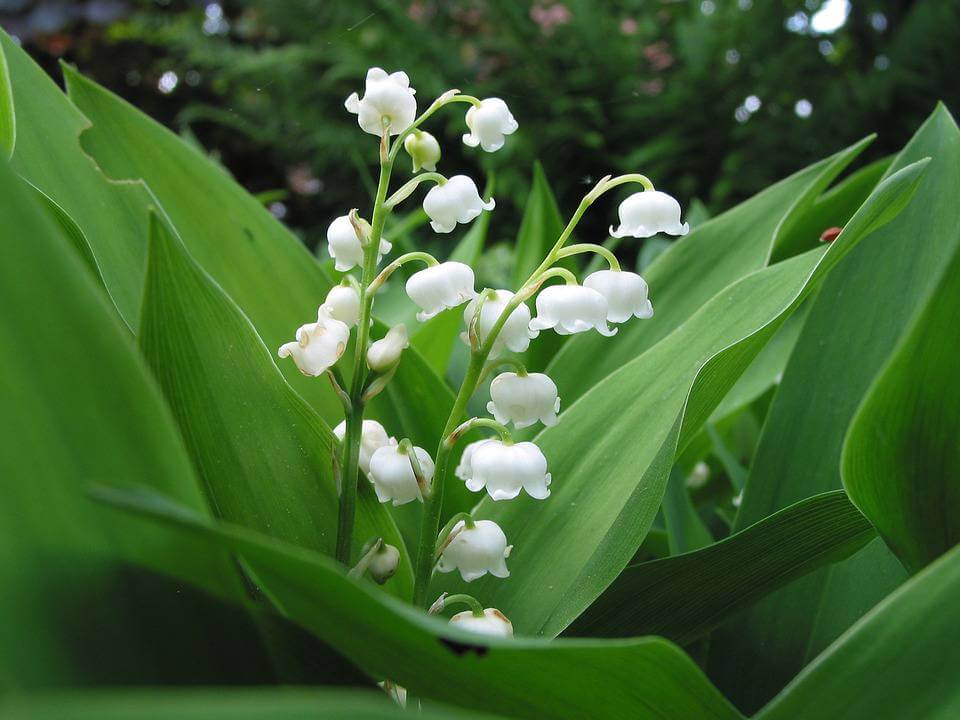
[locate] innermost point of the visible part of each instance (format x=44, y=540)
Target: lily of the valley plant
x=497, y=322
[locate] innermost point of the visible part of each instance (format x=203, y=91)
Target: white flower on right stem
x=570, y=309
x=626, y=294
x=488, y=124
x=515, y=333
x=476, y=551
x=493, y=623
x=647, y=213
x=344, y=245
x=440, y=287
x=523, y=399
x=318, y=345
x=391, y=473
x=387, y=98
x=505, y=469
x=373, y=436
x=456, y=201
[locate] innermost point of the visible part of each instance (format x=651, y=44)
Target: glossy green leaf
x=901, y=458
x=854, y=324
x=8, y=121
x=694, y=269
x=542, y=223
x=612, y=450
x=901, y=660
x=684, y=597
x=525, y=678
x=685, y=529
x=263, y=454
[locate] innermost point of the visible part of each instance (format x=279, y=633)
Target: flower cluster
x=497, y=324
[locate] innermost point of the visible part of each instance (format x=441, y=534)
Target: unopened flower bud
x=388, y=99
x=488, y=124
x=505, y=469
x=570, y=309
x=440, y=287
x=523, y=399
x=344, y=304
x=492, y=622
x=385, y=353
x=318, y=345
x=423, y=149
x=626, y=294
x=383, y=565
x=391, y=473
x=345, y=247
x=456, y=201
x=476, y=551
x=647, y=213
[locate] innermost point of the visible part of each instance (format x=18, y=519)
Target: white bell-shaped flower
x=476, y=551
x=489, y=123
x=373, y=436
x=318, y=345
x=456, y=201
x=392, y=473
x=626, y=294
x=647, y=213
x=439, y=287
x=344, y=304
x=515, y=333
x=570, y=309
x=464, y=469
x=344, y=245
x=387, y=98
x=493, y=623
x=385, y=353
x=423, y=149
x=523, y=399
x=505, y=469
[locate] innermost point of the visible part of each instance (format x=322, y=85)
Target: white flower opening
x=344, y=245
x=383, y=354
x=515, y=333
x=318, y=345
x=505, y=469
x=423, y=149
x=493, y=623
x=343, y=302
x=373, y=436
x=626, y=294
x=647, y=213
x=476, y=551
x=440, y=287
x=392, y=474
x=523, y=399
x=570, y=309
x=455, y=201
x=387, y=100
x=489, y=123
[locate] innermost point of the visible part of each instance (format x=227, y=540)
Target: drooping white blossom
x=493, y=623
x=476, y=551
x=647, y=213
x=489, y=123
x=391, y=473
x=423, y=149
x=455, y=201
x=344, y=245
x=626, y=294
x=373, y=436
x=439, y=287
x=318, y=345
x=344, y=304
x=464, y=469
x=570, y=309
x=515, y=333
x=523, y=399
x=385, y=353
x=387, y=99
x=505, y=469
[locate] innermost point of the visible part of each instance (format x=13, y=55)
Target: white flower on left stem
x=373, y=436
x=493, y=623
x=456, y=201
x=392, y=474
x=647, y=213
x=505, y=469
x=318, y=345
x=570, y=309
x=344, y=304
x=523, y=399
x=626, y=294
x=489, y=123
x=440, y=287
x=387, y=99
x=383, y=354
x=515, y=333
x=476, y=551
x=344, y=245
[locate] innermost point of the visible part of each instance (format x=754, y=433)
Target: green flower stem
x=518, y=367
x=590, y=248
x=451, y=96
x=406, y=190
x=353, y=435
x=447, y=529
x=361, y=567
x=475, y=607
x=476, y=422
x=624, y=179
x=390, y=269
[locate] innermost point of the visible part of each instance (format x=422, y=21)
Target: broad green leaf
x=8, y=122
x=694, y=269
x=853, y=325
x=612, y=450
x=525, y=678
x=263, y=454
x=901, y=458
x=540, y=227
x=685, y=529
x=685, y=596
x=901, y=660
x=80, y=407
